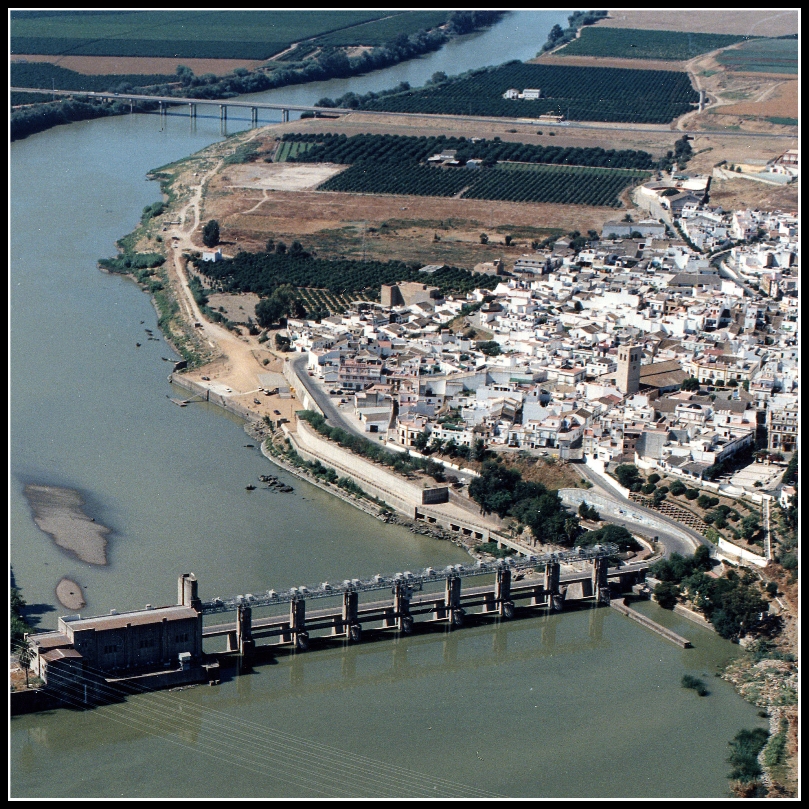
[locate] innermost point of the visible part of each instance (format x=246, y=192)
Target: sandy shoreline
x=59, y=513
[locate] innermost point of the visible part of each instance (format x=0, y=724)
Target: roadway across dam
x=426, y=596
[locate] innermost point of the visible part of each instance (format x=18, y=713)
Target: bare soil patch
x=607, y=61
x=761, y=22
x=236, y=308
x=282, y=176
x=777, y=100
x=104, y=65
x=736, y=194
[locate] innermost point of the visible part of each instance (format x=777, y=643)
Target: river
x=583, y=704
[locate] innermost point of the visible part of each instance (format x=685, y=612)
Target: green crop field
x=517, y=172
x=387, y=29
x=333, y=148
x=184, y=34
x=635, y=43
x=46, y=75
x=577, y=93
x=763, y=56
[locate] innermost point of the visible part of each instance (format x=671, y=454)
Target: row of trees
x=398, y=461
x=331, y=147
x=263, y=272
x=578, y=93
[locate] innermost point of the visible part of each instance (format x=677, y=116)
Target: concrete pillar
x=285, y=116
x=452, y=601
x=552, y=585
x=244, y=630
x=232, y=642
x=223, y=112
x=161, y=107
x=297, y=624
x=401, y=607
x=187, y=592
x=164, y=641
x=351, y=624
x=192, y=110
x=601, y=589
x=254, y=115
x=502, y=593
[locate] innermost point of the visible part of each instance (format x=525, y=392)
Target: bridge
x=164, y=102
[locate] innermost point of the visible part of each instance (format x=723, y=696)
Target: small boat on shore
x=250, y=487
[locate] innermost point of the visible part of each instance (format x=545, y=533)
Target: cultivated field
x=184, y=33
x=106, y=65
x=644, y=43
x=751, y=22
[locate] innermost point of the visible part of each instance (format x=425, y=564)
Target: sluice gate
x=429, y=596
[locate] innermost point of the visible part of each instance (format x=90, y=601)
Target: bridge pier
x=254, y=116
x=351, y=624
x=244, y=630
x=297, y=624
x=285, y=116
x=401, y=608
x=552, y=586
x=601, y=588
x=223, y=112
x=192, y=110
x=452, y=601
x=502, y=593
x=162, y=108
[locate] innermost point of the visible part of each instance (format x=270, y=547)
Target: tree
x=677, y=488
x=210, y=233
x=556, y=32
x=507, y=240
x=421, y=440
x=627, y=475
x=692, y=383
x=484, y=238
x=18, y=624
x=667, y=594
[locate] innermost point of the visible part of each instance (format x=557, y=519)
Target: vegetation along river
x=582, y=704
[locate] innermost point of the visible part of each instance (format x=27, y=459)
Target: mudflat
x=59, y=513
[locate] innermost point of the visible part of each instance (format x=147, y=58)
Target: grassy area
x=763, y=56
x=186, y=33
x=645, y=44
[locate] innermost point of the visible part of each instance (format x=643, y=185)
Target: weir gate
x=428, y=596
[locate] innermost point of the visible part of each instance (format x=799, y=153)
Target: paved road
x=324, y=401
x=670, y=541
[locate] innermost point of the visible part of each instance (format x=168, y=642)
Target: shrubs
x=745, y=747
x=677, y=488
x=694, y=683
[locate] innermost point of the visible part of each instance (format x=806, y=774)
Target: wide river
x=581, y=704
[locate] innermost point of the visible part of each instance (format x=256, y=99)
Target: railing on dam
x=412, y=580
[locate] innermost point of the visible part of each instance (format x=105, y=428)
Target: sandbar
x=60, y=514
x=70, y=595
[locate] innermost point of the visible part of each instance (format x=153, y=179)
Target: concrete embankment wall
x=574, y=497
x=373, y=478
x=399, y=494
x=621, y=606
x=295, y=384
x=210, y=396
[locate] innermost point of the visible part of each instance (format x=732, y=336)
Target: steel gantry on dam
x=429, y=595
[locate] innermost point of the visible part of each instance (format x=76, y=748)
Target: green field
x=577, y=93
x=763, y=56
x=184, y=34
x=634, y=43
x=385, y=30
x=46, y=75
